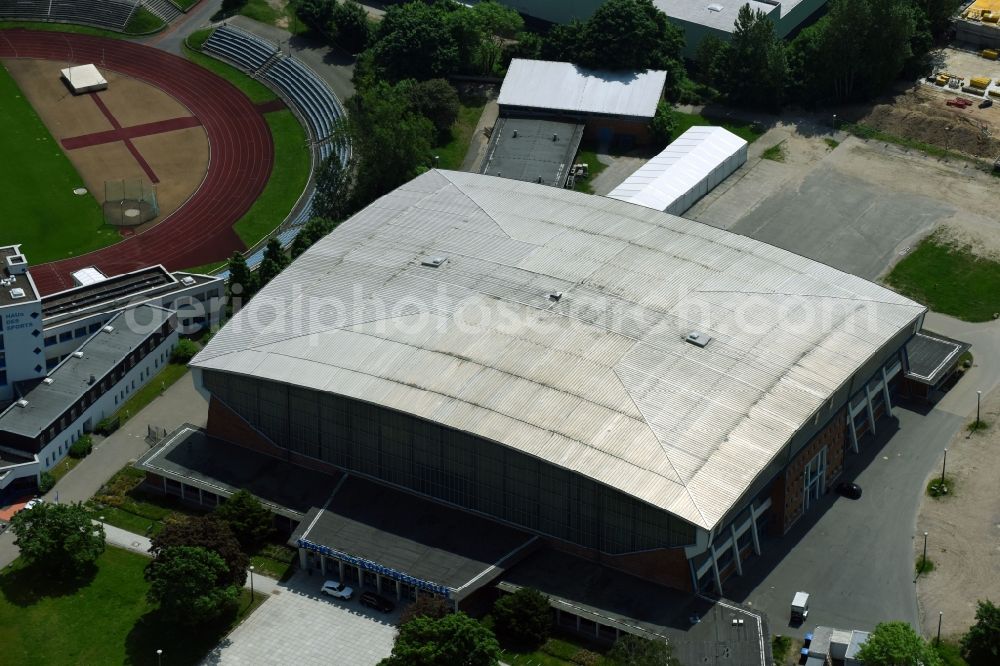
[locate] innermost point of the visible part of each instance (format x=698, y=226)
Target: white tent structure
x=686, y=170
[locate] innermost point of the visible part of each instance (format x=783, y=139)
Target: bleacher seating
x=242, y=48
x=112, y=14
x=165, y=9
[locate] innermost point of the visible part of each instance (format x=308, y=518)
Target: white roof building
x=555, y=323
x=563, y=86
x=686, y=170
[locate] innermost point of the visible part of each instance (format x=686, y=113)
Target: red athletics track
x=240, y=148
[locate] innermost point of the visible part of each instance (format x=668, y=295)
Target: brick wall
x=833, y=437
x=664, y=566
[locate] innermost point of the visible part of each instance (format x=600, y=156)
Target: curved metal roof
x=600, y=381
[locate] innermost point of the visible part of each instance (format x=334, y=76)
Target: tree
x=631, y=35
x=710, y=61
x=349, y=22
x=206, y=532
x=250, y=521
x=896, y=644
x=529, y=45
x=239, y=286
x=62, y=538
x=663, y=124
x=633, y=650
x=191, y=585
x=495, y=25
x=391, y=144
x=981, y=644
x=563, y=42
x=332, y=198
x=437, y=101
x=184, y=351
x=311, y=231
x=415, y=41
x=756, y=68
x=453, y=640
x=230, y=7
x=317, y=14
x=524, y=617
x=434, y=608
x=271, y=265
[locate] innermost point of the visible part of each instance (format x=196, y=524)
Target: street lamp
x=251, y=585
x=102, y=521
x=944, y=463
x=835, y=122
x=940, y=615
x=159, y=657
x=979, y=395
x=923, y=563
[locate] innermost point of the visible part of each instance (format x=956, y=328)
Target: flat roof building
x=613, y=379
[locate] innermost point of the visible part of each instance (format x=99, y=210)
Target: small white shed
x=686, y=170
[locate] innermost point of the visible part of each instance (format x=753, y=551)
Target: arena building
x=642, y=392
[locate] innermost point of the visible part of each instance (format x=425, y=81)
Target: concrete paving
x=299, y=626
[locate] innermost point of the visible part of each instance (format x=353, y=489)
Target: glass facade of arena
x=449, y=465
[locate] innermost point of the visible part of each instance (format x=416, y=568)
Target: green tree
x=630, y=650
x=415, y=41
x=495, y=25
x=312, y=231
x=317, y=14
x=939, y=14
x=271, y=265
x=436, y=100
x=239, y=286
x=391, y=144
x=453, y=640
x=191, y=585
x=432, y=607
x=664, y=124
x=62, y=538
x=250, y=521
x=896, y=644
x=710, y=61
x=633, y=35
x=230, y=7
x=981, y=644
x=206, y=532
x=332, y=199
x=524, y=618
x=184, y=351
x=349, y=22
x=563, y=42
x=529, y=45
x=756, y=68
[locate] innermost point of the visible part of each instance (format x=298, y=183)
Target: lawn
x=37, y=204
x=282, y=16
x=143, y=22
x=255, y=90
x=594, y=166
x=452, y=154
x=186, y=4
x=561, y=651
x=288, y=178
x=686, y=121
x=949, y=279
x=152, y=390
x=103, y=619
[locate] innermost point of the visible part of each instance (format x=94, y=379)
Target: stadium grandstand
x=306, y=94
x=635, y=390
x=110, y=14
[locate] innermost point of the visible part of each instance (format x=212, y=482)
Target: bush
x=82, y=447
x=184, y=351
x=780, y=645
x=432, y=607
x=45, y=482
x=937, y=488
x=524, y=618
x=664, y=124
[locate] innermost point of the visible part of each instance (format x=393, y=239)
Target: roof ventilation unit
x=47, y=381
x=108, y=329
x=92, y=380
x=698, y=339
x=21, y=403
x=78, y=354
x=715, y=7
x=17, y=292
x=188, y=280
x=555, y=296
x=16, y=264
x=433, y=262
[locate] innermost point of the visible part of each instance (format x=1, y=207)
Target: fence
x=129, y=202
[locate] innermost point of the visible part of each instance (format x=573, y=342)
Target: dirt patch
x=964, y=531
x=178, y=158
x=921, y=114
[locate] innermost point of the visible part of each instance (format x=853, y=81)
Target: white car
x=336, y=589
x=33, y=503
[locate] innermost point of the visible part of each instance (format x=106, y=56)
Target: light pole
x=944, y=463
x=251, y=585
x=979, y=395
x=159, y=657
x=940, y=615
x=923, y=562
x=835, y=122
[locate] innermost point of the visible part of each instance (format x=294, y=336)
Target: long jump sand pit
x=130, y=131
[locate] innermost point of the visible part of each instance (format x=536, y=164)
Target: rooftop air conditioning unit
x=698, y=339
x=21, y=403
x=108, y=329
x=555, y=296
x=188, y=280
x=78, y=354
x=434, y=262
x=17, y=292
x=47, y=381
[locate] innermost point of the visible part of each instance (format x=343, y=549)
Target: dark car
x=986, y=103
x=377, y=601
x=850, y=490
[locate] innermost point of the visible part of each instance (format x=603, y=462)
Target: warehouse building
x=688, y=169
x=697, y=18
x=646, y=393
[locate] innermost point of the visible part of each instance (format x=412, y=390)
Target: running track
x=240, y=148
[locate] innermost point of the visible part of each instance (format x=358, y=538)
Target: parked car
x=336, y=589
x=33, y=503
x=377, y=601
x=848, y=489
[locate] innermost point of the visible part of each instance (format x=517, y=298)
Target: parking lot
x=299, y=626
